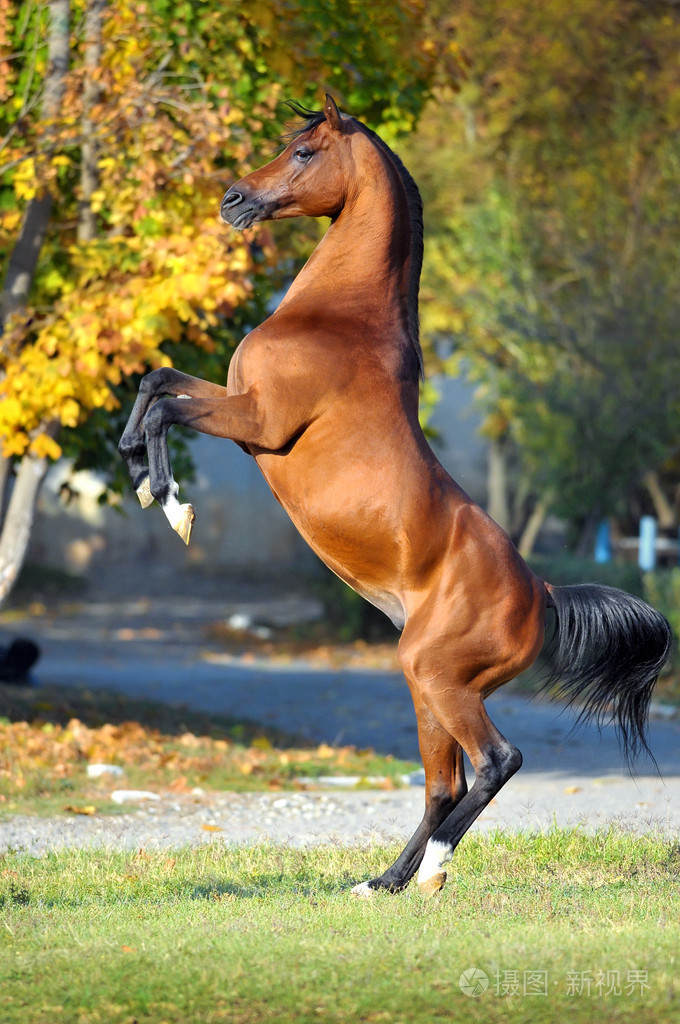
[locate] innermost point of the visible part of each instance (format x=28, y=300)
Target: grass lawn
x=565, y=926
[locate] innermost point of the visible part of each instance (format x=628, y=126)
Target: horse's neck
x=362, y=260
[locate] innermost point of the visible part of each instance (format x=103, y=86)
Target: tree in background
x=552, y=200
x=121, y=125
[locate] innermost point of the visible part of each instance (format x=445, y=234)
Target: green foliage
x=552, y=201
x=567, y=570
x=662, y=590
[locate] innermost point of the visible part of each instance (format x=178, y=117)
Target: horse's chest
x=322, y=507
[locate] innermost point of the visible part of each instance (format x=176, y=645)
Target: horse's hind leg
x=445, y=786
x=494, y=760
x=453, y=663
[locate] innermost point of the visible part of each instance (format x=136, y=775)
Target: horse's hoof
x=363, y=891
x=144, y=493
x=185, y=522
x=433, y=884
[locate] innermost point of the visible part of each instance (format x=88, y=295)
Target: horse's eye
x=304, y=153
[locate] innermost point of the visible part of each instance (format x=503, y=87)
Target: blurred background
x=544, y=138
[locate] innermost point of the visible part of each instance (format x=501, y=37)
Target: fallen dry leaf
x=180, y=785
x=212, y=828
x=88, y=809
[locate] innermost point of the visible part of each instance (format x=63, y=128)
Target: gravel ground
x=355, y=816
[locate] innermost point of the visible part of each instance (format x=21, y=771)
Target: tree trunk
x=534, y=524
x=24, y=257
x=89, y=176
x=498, y=505
x=16, y=530
x=22, y=262
x=5, y=475
x=665, y=512
x=18, y=519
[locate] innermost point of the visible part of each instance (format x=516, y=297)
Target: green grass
x=265, y=933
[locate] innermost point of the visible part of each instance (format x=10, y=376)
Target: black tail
x=606, y=655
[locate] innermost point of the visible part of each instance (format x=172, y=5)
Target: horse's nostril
x=231, y=199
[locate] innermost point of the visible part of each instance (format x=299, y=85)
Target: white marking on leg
x=180, y=517
x=437, y=856
x=173, y=511
x=363, y=890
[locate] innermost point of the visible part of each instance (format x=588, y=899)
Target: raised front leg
x=168, y=397
x=132, y=445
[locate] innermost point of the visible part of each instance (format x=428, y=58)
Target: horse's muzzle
x=242, y=210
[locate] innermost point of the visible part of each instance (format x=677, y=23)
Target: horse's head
x=308, y=179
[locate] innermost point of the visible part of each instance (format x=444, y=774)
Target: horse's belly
x=358, y=544
x=386, y=602
x=359, y=569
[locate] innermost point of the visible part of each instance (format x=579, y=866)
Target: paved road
x=157, y=648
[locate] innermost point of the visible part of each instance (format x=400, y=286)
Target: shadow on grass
x=210, y=890
x=265, y=884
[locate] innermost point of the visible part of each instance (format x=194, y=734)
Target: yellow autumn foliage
x=182, y=103
x=161, y=268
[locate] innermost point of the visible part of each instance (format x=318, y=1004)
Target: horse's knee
x=130, y=447
x=158, y=418
x=157, y=381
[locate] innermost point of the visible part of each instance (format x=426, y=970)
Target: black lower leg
x=407, y=863
x=499, y=764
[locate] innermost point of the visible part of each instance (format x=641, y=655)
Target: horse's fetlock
x=139, y=478
x=165, y=493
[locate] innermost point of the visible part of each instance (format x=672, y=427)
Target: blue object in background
x=647, y=551
x=603, y=544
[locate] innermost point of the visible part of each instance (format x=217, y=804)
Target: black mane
x=312, y=119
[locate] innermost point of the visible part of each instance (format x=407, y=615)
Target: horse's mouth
x=242, y=219
x=242, y=211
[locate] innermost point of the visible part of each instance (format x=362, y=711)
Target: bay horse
x=324, y=396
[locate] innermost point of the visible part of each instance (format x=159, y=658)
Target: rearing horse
x=324, y=396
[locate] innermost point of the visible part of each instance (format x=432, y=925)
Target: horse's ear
x=332, y=113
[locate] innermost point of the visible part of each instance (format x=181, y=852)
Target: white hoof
x=144, y=493
x=184, y=525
